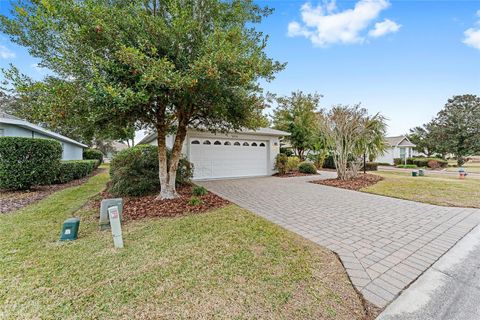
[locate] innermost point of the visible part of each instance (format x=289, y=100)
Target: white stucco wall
x=273, y=143
x=70, y=151
x=394, y=152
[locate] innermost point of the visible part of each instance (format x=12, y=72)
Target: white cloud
x=323, y=25
x=472, y=35
x=472, y=38
x=384, y=27
x=6, y=53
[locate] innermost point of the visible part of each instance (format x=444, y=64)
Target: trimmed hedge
x=371, y=166
x=25, y=162
x=307, y=167
x=407, y=166
x=75, y=169
x=93, y=154
x=281, y=161
x=423, y=162
x=134, y=171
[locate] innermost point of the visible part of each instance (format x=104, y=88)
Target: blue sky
x=401, y=58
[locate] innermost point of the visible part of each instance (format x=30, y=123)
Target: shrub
x=433, y=164
x=399, y=161
x=75, y=169
x=384, y=164
x=134, y=171
x=307, y=167
x=329, y=163
x=286, y=151
x=371, y=166
x=292, y=164
x=281, y=163
x=93, y=154
x=407, y=166
x=318, y=159
x=26, y=162
x=194, y=201
x=199, y=191
x=423, y=161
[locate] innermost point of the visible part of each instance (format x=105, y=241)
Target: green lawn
x=469, y=167
x=227, y=263
x=434, y=188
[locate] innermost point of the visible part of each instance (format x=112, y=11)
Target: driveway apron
x=384, y=243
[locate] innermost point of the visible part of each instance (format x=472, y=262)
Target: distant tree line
x=454, y=131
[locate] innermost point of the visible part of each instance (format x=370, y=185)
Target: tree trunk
x=166, y=191
x=169, y=174
x=364, y=163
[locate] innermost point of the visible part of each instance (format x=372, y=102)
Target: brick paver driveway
x=384, y=243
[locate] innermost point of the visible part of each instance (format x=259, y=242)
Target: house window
x=254, y=144
x=2, y=132
x=207, y=142
x=217, y=143
x=245, y=144
x=402, y=153
x=262, y=144
x=227, y=143
x=195, y=142
x=236, y=143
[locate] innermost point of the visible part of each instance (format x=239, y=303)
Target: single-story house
x=398, y=147
x=247, y=153
x=115, y=148
x=11, y=126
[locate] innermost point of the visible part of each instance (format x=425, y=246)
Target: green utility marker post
x=70, y=229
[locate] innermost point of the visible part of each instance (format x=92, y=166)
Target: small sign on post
x=114, y=215
x=105, y=204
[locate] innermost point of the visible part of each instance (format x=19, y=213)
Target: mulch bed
x=362, y=181
x=14, y=200
x=295, y=174
x=135, y=208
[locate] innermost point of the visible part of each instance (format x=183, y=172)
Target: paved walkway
x=384, y=243
x=449, y=290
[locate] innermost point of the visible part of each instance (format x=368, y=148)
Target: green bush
x=75, y=169
x=93, y=154
x=307, y=167
x=292, y=164
x=329, y=163
x=407, y=166
x=281, y=163
x=134, y=171
x=318, y=159
x=384, y=164
x=26, y=162
x=194, y=201
x=199, y=191
x=423, y=162
x=399, y=161
x=286, y=151
x=371, y=166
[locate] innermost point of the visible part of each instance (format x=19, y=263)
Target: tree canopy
x=164, y=65
x=455, y=129
x=297, y=114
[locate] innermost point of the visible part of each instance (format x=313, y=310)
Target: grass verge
x=227, y=263
x=436, y=189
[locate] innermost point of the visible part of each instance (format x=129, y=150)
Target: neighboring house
x=398, y=147
x=240, y=154
x=116, y=147
x=11, y=126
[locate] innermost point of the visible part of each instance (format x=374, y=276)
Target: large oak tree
x=165, y=65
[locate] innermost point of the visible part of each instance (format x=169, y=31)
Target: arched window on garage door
x=236, y=143
x=262, y=144
x=245, y=144
x=254, y=144
x=227, y=143
x=207, y=142
x=195, y=142
x=217, y=143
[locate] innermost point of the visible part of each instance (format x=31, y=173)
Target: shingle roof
x=395, y=141
x=260, y=131
x=9, y=119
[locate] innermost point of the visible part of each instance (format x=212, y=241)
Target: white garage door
x=225, y=158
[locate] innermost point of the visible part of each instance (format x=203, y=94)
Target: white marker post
x=115, y=226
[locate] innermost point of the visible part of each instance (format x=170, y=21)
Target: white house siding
x=272, y=144
x=70, y=150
